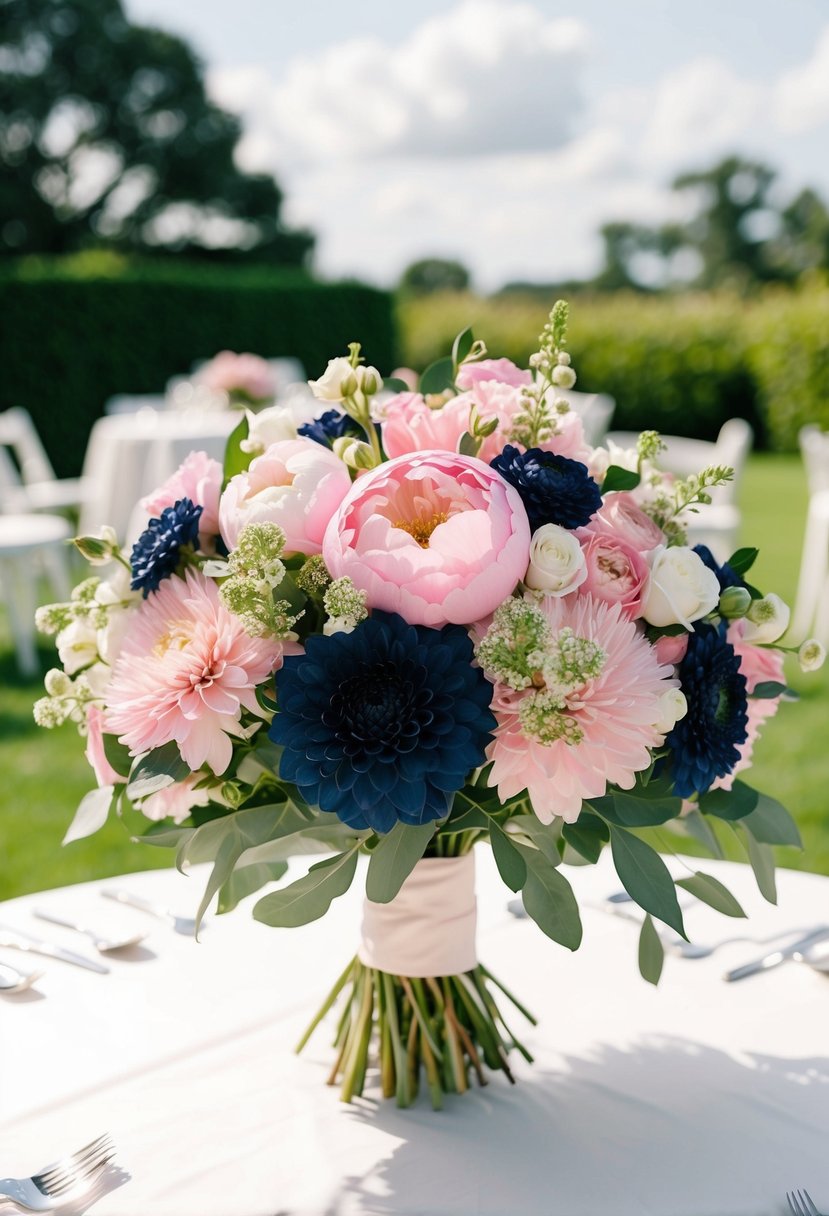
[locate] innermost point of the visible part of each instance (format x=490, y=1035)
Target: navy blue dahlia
x=330, y=426
x=703, y=744
x=554, y=489
x=726, y=576
x=384, y=723
x=155, y=555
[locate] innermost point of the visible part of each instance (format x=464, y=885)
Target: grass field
x=43, y=775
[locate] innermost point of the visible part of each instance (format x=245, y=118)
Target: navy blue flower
x=383, y=724
x=726, y=576
x=330, y=426
x=554, y=489
x=155, y=555
x=703, y=744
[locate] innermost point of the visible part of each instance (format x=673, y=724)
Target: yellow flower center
x=422, y=529
x=177, y=637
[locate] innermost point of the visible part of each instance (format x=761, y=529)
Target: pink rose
x=620, y=516
x=295, y=483
x=670, y=650
x=435, y=537
x=502, y=370
x=616, y=571
x=105, y=774
x=247, y=375
x=409, y=425
x=199, y=478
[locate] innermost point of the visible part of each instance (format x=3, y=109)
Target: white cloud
x=801, y=97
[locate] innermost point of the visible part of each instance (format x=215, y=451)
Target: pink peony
x=502, y=370
x=758, y=664
x=616, y=571
x=615, y=711
x=295, y=483
x=620, y=516
x=105, y=774
x=244, y=375
x=199, y=478
x=186, y=671
x=435, y=537
x=410, y=425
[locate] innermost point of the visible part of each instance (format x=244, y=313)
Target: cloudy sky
x=504, y=132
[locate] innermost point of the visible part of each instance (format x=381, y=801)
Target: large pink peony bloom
x=758, y=664
x=616, y=712
x=186, y=671
x=295, y=483
x=435, y=537
x=198, y=478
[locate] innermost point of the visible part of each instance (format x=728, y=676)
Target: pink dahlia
x=185, y=672
x=614, y=716
x=435, y=537
x=198, y=478
x=759, y=664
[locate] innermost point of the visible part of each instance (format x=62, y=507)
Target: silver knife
x=15, y=940
x=775, y=957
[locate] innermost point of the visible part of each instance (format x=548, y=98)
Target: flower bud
x=811, y=655
x=563, y=358
x=672, y=706
x=97, y=549
x=734, y=602
x=354, y=453
x=563, y=377
x=369, y=380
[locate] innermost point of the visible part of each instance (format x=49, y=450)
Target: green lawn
x=43, y=774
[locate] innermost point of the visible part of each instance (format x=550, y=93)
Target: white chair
x=131, y=403
x=31, y=546
x=27, y=481
x=595, y=411
x=811, y=612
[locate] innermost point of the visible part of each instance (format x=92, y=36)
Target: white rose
x=671, y=707
x=557, y=564
x=268, y=427
x=681, y=588
x=766, y=620
x=329, y=387
x=77, y=646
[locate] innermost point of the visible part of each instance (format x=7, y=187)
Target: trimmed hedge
x=69, y=342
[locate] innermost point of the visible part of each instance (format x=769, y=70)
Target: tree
x=434, y=274
x=107, y=137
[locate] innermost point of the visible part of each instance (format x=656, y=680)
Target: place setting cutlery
x=13, y=980
x=185, y=925
x=104, y=945
x=801, y=1204
x=16, y=939
x=64, y=1182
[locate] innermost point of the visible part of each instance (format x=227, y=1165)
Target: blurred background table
x=692, y=1099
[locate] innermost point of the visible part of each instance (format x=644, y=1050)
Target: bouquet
x=423, y=620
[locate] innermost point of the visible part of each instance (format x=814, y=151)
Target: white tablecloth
x=697, y=1098
x=130, y=454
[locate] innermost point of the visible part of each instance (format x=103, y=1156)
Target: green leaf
x=645, y=877
x=117, y=754
x=651, y=952
x=771, y=823
x=742, y=560
x=761, y=858
x=309, y=897
x=510, y=863
x=712, y=892
x=155, y=771
x=236, y=461
x=549, y=900
x=545, y=836
x=768, y=689
x=639, y=812
x=468, y=445
x=394, y=858
x=438, y=376
x=699, y=827
x=588, y=835
x=393, y=385
x=461, y=347
x=244, y=881
x=617, y=478
x=731, y=804
x=91, y=814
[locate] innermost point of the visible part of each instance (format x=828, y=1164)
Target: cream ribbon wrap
x=428, y=929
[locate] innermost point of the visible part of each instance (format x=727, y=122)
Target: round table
x=691, y=1099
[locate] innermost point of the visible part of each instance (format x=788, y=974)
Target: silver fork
x=62, y=1181
x=800, y=1203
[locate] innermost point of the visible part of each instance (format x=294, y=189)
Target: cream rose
x=681, y=588
x=557, y=563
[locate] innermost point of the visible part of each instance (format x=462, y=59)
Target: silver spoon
x=105, y=945
x=185, y=925
x=12, y=980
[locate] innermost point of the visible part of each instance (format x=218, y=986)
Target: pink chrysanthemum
x=614, y=715
x=186, y=671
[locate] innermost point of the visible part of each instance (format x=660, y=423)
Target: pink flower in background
x=247, y=375
x=408, y=375
x=616, y=571
x=435, y=537
x=759, y=664
x=615, y=712
x=295, y=483
x=620, y=516
x=105, y=774
x=502, y=370
x=198, y=478
x=186, y=671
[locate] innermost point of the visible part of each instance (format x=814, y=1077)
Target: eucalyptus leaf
x=548, y=898
x=545, y=836
x=117, y=754
x=617, y=478
x=712, y=892
x=771, y=823
x=91, y=814
x=309, y=897
x=641, y=812
x=731, y=804
x=645, y=877
x=651, y=952
x=698, y=826
x=588, y=835
x=394, y=858
x=245, y=880
x=510, y=863
x=156, y=770
x=768, y=690
x=237, y=461
x=761, y=858
x=438, y=377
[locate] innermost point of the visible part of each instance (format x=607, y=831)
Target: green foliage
x=651, y=952
x=394, y=858
x=429, y=275
x=68, y=343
